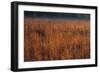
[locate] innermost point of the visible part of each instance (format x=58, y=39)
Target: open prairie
x=56, y=39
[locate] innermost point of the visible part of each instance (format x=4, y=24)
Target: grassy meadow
x=56, y=39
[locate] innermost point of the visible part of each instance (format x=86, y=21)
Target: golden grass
x=47, y=39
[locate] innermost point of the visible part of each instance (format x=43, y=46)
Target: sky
x=54, y=15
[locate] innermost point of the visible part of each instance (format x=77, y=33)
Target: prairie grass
x=48, y=39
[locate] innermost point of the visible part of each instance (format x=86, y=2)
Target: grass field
x=56, y=39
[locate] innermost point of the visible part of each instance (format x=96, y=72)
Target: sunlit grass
x=56, y=39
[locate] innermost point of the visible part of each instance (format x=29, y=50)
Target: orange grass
x=46, y=39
